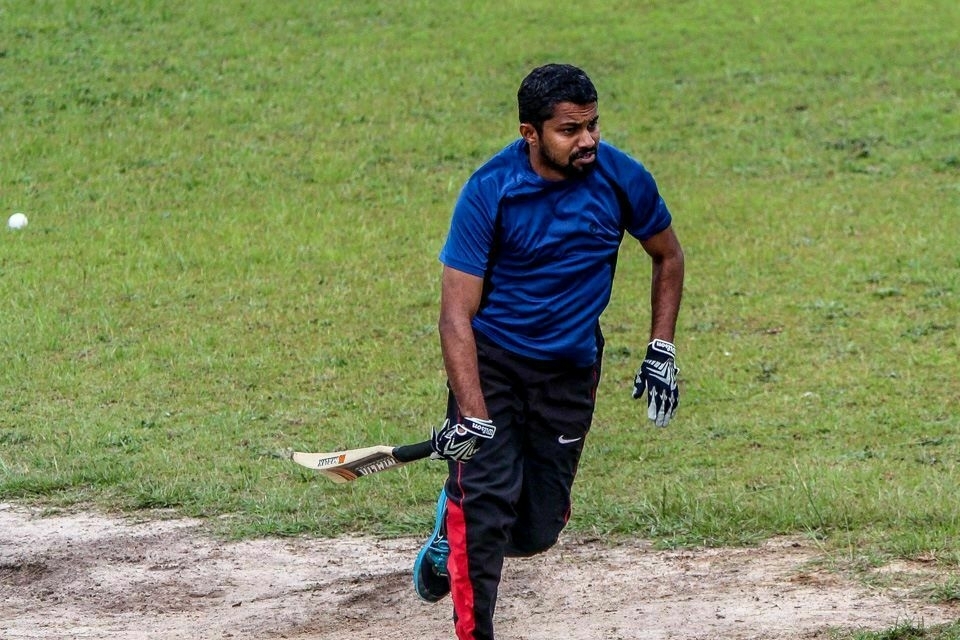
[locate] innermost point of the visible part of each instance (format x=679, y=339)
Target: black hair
x=546, y=86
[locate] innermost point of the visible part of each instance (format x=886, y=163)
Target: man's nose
x=587, y=139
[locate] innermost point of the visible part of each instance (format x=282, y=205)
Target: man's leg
x=480, y=510
x=560, y=412
x=483, y=494
x=464, y=555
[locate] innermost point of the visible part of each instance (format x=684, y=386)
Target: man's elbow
x=451, y=324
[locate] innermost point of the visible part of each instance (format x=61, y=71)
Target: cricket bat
x=348, y=465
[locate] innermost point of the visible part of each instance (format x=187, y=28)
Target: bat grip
x=411, y=452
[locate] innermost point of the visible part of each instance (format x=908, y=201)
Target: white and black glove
x=658, y=377
x=461, y=441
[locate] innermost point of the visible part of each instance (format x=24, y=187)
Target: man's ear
x=529, y=133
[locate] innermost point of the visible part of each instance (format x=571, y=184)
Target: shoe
x=430, y=578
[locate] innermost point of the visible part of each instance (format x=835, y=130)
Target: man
x=528, y=268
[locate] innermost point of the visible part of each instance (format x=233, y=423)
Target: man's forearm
x=459, y=348
x=666, y=292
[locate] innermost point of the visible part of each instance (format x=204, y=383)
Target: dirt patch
x=88, y=576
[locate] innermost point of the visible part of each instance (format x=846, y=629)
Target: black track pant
x=513, y=497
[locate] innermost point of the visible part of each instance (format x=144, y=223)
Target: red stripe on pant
x=461, y=589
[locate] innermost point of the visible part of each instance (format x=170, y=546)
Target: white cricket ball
x=17, y=221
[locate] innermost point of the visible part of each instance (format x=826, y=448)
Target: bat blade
x=348, y=465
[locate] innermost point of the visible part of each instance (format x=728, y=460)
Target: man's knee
x=531, y=543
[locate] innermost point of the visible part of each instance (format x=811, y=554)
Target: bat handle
x=411, y=452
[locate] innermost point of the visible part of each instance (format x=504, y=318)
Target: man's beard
x=569, y=169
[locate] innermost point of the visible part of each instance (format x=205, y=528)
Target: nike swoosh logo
x=566, y=440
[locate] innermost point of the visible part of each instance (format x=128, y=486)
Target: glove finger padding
x=461, y=441
x=661, y=406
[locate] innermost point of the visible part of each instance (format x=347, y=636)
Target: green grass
x=906, y=630
x=235, y=212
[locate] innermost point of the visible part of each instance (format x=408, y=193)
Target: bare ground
x=85, y=575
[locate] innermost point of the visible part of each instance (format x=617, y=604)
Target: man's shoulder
x=500, y=174
x=504, y=163
x=617, y=159
x=623, y=169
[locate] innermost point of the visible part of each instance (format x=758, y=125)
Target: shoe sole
x=419, y=584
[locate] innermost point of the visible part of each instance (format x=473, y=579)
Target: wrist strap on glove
x=661, y=350
x=479, y=427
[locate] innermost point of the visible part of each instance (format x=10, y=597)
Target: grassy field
x=235, y=212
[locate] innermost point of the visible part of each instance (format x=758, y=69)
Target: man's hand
x=460, y=441
x=658, y=377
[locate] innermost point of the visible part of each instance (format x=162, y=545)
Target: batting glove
x=658, y=377
x=461, y=441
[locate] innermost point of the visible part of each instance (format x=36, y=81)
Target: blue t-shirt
x=550, y=247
